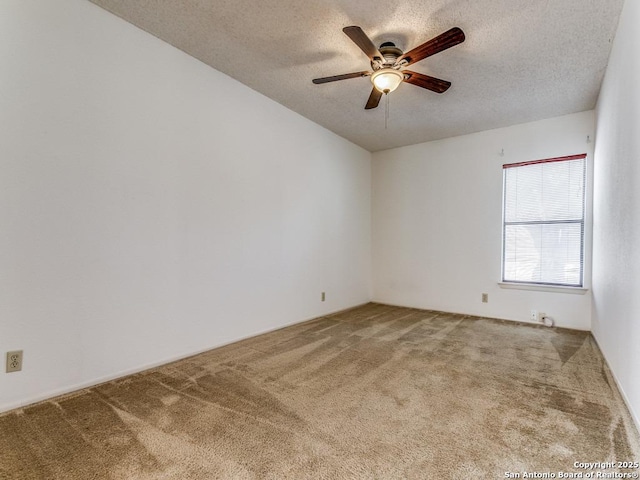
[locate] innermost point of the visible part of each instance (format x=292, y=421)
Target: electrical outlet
x=533, y=316
x=322, y=296
x=485, y=298
x=14, y=361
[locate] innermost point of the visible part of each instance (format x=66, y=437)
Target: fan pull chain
x=386, y=111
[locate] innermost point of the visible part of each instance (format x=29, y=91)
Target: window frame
x=504, y=283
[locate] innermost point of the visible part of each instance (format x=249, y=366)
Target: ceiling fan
x=388, y=63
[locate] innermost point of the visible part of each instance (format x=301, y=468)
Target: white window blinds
x=543, y=227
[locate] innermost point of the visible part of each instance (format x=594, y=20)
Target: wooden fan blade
x=446, y=40
x=335, y=78
x=374, y=99
x=361, y=40
x=425, y=81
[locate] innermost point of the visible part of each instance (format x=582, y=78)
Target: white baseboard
x=634, y=415
x=479, y=315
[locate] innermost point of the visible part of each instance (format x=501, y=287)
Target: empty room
x=333, y=240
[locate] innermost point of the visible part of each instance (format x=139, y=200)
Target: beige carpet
x=374, y=392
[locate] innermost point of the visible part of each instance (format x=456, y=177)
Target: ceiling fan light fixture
x=387, y=79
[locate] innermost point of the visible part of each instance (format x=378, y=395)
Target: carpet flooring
x=375, y=392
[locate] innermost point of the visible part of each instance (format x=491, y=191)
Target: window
x=543, y=221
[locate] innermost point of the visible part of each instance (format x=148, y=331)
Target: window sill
x=543, y=288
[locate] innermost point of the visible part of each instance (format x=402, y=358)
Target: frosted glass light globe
x=387, y=79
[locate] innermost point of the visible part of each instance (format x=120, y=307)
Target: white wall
x=437, y=221
x=152, y=207
x=616, y=240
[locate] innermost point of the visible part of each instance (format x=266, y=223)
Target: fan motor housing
x=390, y=52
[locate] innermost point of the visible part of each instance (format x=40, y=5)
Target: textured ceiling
x=521, y=61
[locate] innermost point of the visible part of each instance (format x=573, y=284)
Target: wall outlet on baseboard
x=485, y=298
x=537, y=316
x=14, y=361
x=322, y=296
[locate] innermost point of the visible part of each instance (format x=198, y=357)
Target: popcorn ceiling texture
x=373, y=392
x=521, y=61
